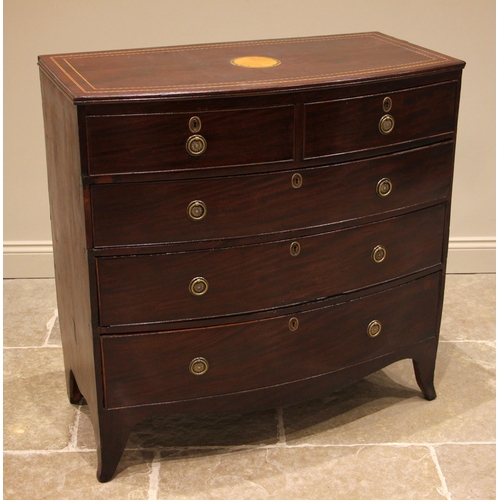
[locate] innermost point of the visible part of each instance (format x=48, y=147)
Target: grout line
x=258, y=447
x=444, y=487
x=48, y=452
x=491, y=343
x=50, y=346
x=154, y=477
x=73, y=440
x=50, y=325
x=281, y=427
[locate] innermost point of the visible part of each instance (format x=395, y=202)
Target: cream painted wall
x=461, y=28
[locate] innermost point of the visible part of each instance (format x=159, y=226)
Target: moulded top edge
x=246, y=66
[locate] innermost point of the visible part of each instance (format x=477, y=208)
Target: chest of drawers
x=245, y=225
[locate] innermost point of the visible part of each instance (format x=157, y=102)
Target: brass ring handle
x=386, y=124
x=196, y=210
x=198, y=366
x=374, y=328
x=384, y=187
x=198, y=286
x=196, y=145
x=378, y=254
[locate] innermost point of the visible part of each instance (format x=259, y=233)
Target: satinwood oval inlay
x=255, y=62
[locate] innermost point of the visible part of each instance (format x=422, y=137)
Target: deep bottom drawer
x=154, y=368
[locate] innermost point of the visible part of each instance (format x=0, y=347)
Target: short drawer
x=227, y=281
x=229, y=207
x=161, y=142
x=176, y=365
x=376, y=121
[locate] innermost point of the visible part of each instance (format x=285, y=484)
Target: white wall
x=461, y=28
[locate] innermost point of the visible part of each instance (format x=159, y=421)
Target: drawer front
x=155, y=368
x=156, y=288
x=350, y=125
x=159, y=212
x=159, y=142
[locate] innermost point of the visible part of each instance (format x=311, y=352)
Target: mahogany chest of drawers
x=239, y=226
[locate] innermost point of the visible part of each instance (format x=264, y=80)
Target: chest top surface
x=247, y=66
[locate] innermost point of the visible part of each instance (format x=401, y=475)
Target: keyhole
x=295, y=249
x=195, y=124
x=296, y=180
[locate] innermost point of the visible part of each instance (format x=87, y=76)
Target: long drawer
x=229, y=207
x=224, y=281
x=375, y=121
x=176, y=141
x=176, y=365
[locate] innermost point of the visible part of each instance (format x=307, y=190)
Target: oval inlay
x=255, y=62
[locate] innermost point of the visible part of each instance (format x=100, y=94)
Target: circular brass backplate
x=386, y=124
x=196, y=210
x=374, y=328
x=198, y=286
x=198, y=366
x=378, y=254
x=255, y=62
x=384, y=187
x=196, y=145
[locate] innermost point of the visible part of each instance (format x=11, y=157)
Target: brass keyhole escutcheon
x=196, y=145
x=387, y=104
x=386, y=124
x=194, y=124
x=374, y=328
x=378, y=254
x=384, y=187
x=293, y=324
x=196, y=210
x=198, y=366
x=296, y=181
x=198, y=286
x=295, y=249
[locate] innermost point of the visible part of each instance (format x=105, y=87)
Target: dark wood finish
x=421, y=112
x=120, y=179
x=206, y=69
x=263, y=353
x=67, y=215
x=148, y=213
x=155, y=288
x=149, y=143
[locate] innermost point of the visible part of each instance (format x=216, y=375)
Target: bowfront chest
x=239, y=226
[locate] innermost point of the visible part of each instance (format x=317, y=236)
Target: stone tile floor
x=377, y=439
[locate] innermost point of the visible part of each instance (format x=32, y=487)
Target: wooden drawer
x=154, y=368
x=148, y=213
x=158, y=142
x=349, y=125
x=155, y=288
